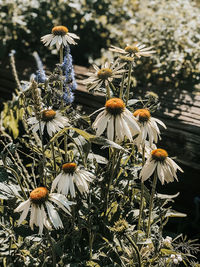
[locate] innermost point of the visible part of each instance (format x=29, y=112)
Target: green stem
x=112, y=159
x=54, y=160
x=61, y=74
x=61, y=54
x=151, y=203
x=52, y=249
x=129, y=83
x=113, y=87
x=122, y=86
x=108, y=91
x=142, y=191
x=43, y=153
x=136, y=250
x=65, y=147
x=58, y=147
x=91, y=239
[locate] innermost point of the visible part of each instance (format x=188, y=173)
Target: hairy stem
x=108, y=91
x=54, y=159
x=122, y=86
x=129, y=82
x=52, y=249
x=151, y=203
x=142, y=191
x=136, y=250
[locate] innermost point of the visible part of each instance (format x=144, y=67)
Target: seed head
x=59, y=30
x=159, y=154
x=69, y=167
x=39, y=195
x=115, y=106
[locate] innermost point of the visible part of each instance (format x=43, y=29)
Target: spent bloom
x=51, y=119
x=104, y=75
x=43, y=212
x=136, y=49
x=69, y=176
x=148, y=126
x=166, y=242
x=118, y=120
x=165, y=167
x=60, y=36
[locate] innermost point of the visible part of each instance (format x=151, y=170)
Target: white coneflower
x=50, y=118
x=136, y=49
x=165, y=167
x=118, y=120
x=59, y=36
x=148, y=126
x=69, y=176
x=40, y=201
x=104, y=75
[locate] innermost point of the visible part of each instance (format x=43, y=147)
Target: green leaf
x=175, y=214
x=163, y=196
x=165, y=251
x=3, y=175
x=112, y=210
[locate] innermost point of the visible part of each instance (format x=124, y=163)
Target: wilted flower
x=59, y=36
x=159, y=161
x=50, y=118
x=136, y=49
x=104, y=75
x=120, y=226
x=38, y=203
x=118, y=120
x=148, y=126
x=69, y=176
x=167, y=241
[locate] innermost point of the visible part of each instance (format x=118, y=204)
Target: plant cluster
x=76, y=190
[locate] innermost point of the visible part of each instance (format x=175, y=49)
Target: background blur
x=171, y=26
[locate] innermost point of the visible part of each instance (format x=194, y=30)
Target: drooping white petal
x=160, y=122
x=160, y=173
x=173, y=163
x=125, y=129
x=45, y=220
x=147, y=169
x=33, y=216
x=24, y=213
x=110, y=128
x=23, y=206
x=53, y=215
x=130, y=119
x=71, y=186
x=56, y=201
x=73, y=35
x=40, y=220
x=119, y=127
x=55, y=181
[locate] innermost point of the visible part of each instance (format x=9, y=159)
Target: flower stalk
x=151, y=203
x=129, y=82
x=142, y=191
